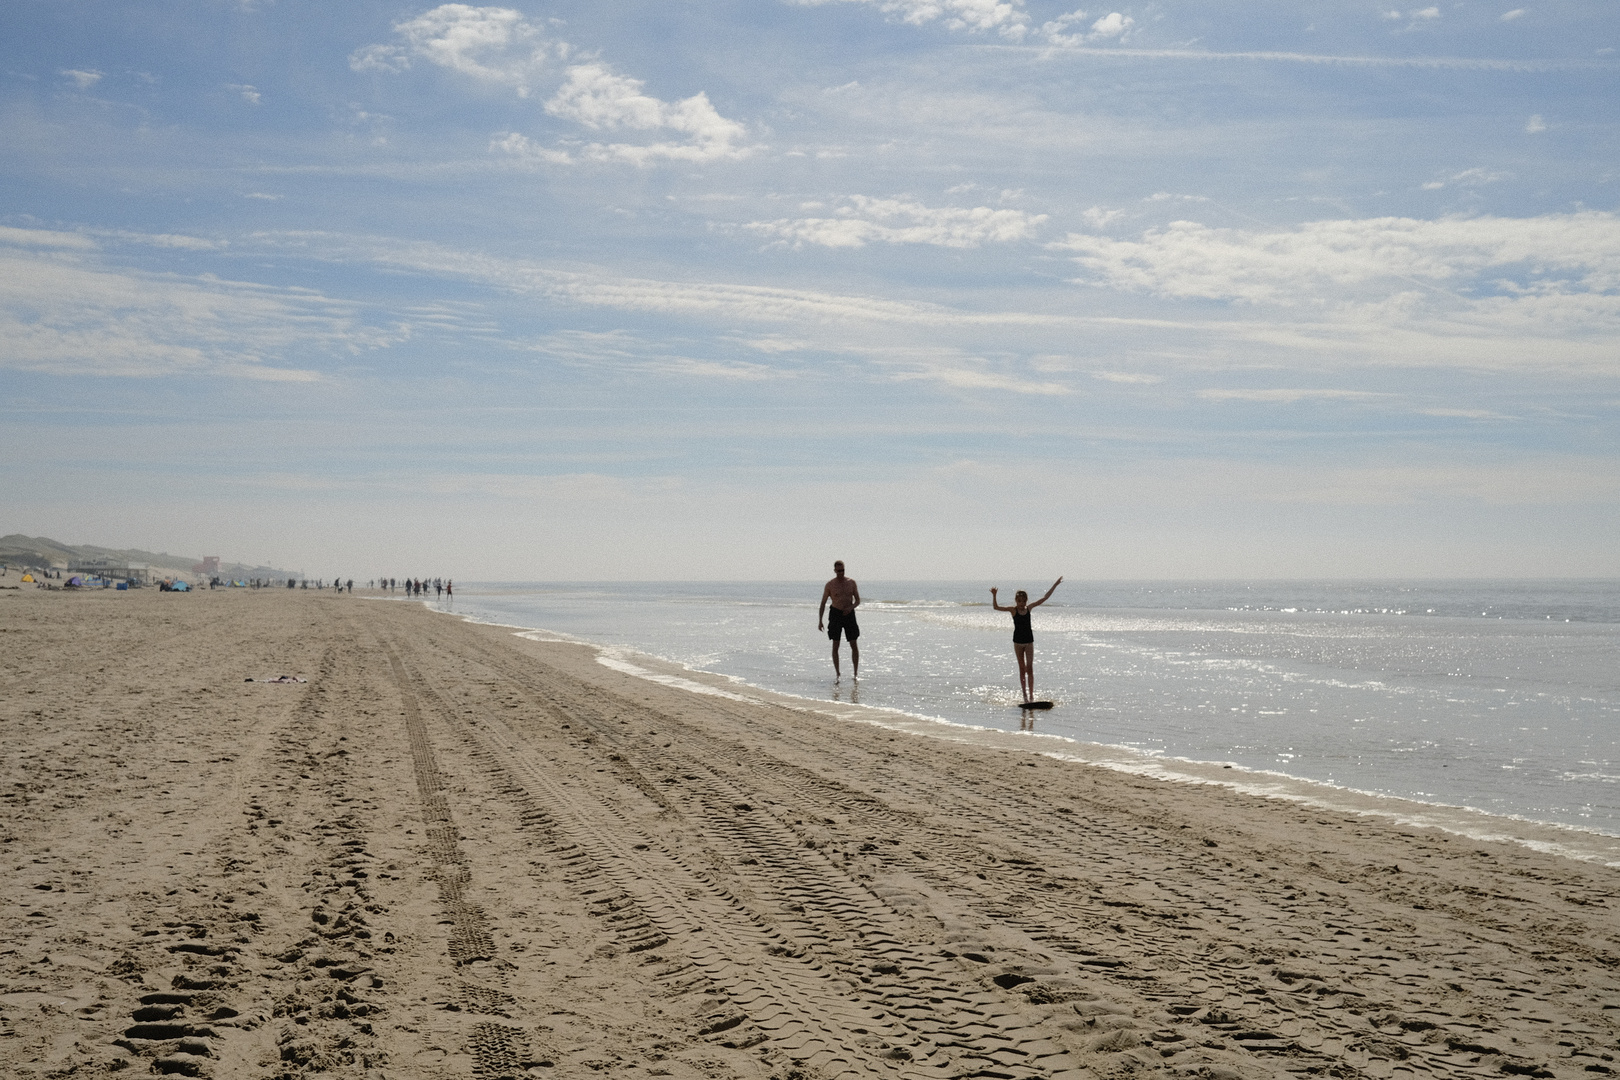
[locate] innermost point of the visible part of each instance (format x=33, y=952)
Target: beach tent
x=75, y=580
x=28, y=577
x=179, y=586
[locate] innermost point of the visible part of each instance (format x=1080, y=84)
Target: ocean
x=1499, y=696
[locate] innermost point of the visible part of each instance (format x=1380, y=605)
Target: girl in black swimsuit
x=1023, y=636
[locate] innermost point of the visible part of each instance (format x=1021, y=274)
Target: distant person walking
x=1023, y=635
x=845, y=597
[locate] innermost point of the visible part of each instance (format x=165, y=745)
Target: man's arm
x=854, y=595
x=822, y=610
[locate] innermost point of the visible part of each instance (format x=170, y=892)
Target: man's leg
x=854, y=659
x=836, y=672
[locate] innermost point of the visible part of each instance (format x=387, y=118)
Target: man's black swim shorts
x=840, y=621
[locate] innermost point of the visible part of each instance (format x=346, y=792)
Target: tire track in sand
x=497, y=1049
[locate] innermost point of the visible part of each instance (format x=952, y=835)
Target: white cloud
x=776, y=343
x=715, y=369
x=249, y=93
x=1425, y=13
x=1127, y=377
x=64, y=310
x=1099, y=218
x=723, y=300
x=1466, y=414
x=1065, y=29
x=962, y=378
x=491, y=44
x=178, y=241
x=45, y=238
x=1004, y=16
x=602, y=100
x=1467, y=178
x=1443, y=63
x=899, y=221
x=1288, y=396
x=1555, y=329
x=1112, y=25
x=961, y=372
x=626, y=351
x=1326, y=261
x=83, y=79
x=1535, y=125
x=1493, y=294
x=523, y=147
x=1516, y=13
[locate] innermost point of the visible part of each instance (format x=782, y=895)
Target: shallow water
x=1502, y=696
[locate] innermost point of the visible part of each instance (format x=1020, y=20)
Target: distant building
x=208, y=568
x=117, y=570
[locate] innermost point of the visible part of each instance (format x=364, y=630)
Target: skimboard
x=1034, y=704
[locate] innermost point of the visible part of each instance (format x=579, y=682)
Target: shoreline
x=1572, y=841
x=456, y=851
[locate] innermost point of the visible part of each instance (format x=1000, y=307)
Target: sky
x=943, y=288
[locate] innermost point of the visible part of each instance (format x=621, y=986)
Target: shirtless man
x=846, y=597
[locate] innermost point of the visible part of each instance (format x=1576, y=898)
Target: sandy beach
x=458, y=852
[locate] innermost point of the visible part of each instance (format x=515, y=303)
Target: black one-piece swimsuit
x=1022, y=634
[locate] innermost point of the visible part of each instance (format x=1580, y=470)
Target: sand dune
x=455, y=852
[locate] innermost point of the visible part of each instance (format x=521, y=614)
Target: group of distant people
x=320, y=583
x=843, y=596
x=417, y=587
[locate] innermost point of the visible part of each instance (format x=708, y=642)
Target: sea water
x=1500, y=696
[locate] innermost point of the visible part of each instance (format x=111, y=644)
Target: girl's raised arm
x=1048, y=595
x=996, y=603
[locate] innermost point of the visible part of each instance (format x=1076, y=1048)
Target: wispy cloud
x=1576, y=253
x=65, y=310
x=81, y=78
x=1004, y=16
x=1454, y=63
x=1133, y=378
x=902, y=221
x=963, y=373
x=1288, y=396
x=45, y=238
x=625, y=351
x=493, y=45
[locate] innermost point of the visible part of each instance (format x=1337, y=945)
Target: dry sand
x=455, y=852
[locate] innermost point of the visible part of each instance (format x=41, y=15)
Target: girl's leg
x=1026, y=678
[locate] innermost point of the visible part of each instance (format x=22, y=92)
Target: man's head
x=838, y=568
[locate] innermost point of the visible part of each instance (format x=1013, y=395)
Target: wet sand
x=456, y=852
